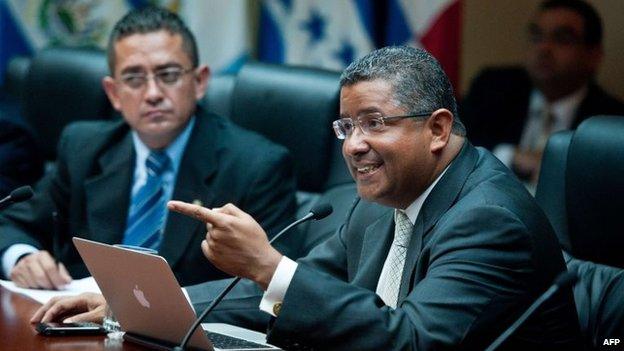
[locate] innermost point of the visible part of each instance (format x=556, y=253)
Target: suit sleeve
x=477, y=269
x=20, y=163
x=241, y=306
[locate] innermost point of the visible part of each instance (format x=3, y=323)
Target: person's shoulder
x=92, y=129
x=503, y=74
x=244, y=141
x=491, y=184
x=91, y=135
x=599, y=101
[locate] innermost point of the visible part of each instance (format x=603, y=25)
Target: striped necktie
x=148, y=209
x=392, y=272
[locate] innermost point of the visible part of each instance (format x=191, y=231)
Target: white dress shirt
x=562, y=111
x=274, y=295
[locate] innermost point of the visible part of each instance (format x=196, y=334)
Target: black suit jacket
x=482, y=250
x=21, y=162
x=496, y=107
x=90, y=188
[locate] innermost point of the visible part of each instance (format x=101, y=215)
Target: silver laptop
x=149, y=304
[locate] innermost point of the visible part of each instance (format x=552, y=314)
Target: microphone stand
x=563, y=280
x=228, y=288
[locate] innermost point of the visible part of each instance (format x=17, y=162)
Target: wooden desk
x=16, y=332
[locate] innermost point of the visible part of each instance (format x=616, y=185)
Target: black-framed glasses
x=163, y=77
x=370, y=123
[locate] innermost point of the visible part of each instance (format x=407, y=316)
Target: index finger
x=197, y=212
x=38, y=315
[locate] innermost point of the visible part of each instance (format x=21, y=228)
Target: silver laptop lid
x=142, y=292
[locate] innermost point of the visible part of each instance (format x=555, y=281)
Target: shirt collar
x=413, y=209
x=563, y=109
x=174, y=150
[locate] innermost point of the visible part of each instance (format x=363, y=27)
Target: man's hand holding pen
x=40, y=270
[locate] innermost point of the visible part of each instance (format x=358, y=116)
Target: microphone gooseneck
x=317, y=212
x=18, y=195
x=563, y=281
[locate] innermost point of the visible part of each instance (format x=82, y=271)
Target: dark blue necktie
x=148, y=209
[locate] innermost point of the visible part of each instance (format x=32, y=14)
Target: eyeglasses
x=370, y=123
x=563, y=36
x=163, y=77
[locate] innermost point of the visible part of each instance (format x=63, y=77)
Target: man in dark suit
x=512, y=111
x=112, y=179
x=444, y=249
x=20, y=161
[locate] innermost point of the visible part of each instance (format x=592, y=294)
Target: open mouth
x=367, y=169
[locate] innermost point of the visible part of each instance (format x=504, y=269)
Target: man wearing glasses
x=443, y=250
x=113, y=179
x=513, y=111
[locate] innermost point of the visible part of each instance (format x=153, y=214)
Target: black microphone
x=563, y=281
x=317, y=212
x=18, y=195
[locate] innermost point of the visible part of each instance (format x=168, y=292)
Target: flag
x=331, y=34
x=222, y=31
x=324, y=33
x=28, y=26
x=434, y=25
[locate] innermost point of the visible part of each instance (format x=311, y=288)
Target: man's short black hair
x=592, y=31
x=151, y=19
x=419, y=82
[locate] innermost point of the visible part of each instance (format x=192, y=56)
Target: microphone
x=317, y=212
x=563, y=281
x=18, y=195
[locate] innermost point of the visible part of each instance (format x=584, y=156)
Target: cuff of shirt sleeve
x=505, y=153
x=274, y=295
x=12, y=254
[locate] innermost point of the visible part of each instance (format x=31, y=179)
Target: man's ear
x=202, y=76
x=440, y=125
x=108, y=83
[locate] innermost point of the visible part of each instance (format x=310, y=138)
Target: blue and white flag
x=324, y=33
x=331, y=34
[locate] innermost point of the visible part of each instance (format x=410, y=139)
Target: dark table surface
x=16, y=332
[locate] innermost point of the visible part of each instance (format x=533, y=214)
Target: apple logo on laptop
x=140, y=296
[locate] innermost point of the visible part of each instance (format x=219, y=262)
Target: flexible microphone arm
x=18, y=195
x=563, y=281
x=317, y=212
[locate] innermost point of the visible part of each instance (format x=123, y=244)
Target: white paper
x=76, y=287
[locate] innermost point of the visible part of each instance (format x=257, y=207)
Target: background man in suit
x=112, y=179
x=444, y=249
x=20, y=160
x=513, y=111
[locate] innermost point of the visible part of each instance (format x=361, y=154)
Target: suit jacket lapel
x=192, y=184
x=437, y=203
x=376, y=243
x=107, y=193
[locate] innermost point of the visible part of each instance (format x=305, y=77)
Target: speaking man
x=443, y=250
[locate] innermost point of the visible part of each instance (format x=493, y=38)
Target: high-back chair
x=581, y=189
x=294, y=107
x=63, y=85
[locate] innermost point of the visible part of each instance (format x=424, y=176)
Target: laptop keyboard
x=223, y=341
